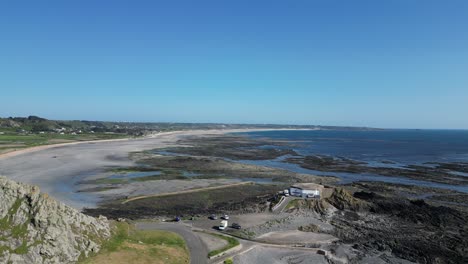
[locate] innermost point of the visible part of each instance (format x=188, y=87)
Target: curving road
x=198, y=250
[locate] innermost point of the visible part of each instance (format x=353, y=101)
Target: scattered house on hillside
x=299, y=191
x=1, y=133
x=58, y=130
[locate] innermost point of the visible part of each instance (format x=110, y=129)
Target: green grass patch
x=156, y=237
x=23, y=249
x=232, y=242
x=293, y=204
x=126, y=232
x=5, y=222
x=245, y=234
x=4, y=248
x=228, y=261
x=19, y=231
x=16, y=231
x=127, y=241
x=120, y=235
x=32, y=140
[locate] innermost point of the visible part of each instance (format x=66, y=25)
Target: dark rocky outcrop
x=410, y=229
x=341, y=199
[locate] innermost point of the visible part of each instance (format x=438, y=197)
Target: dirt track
x=187, y=191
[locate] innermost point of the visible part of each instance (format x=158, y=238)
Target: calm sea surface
x=377, y=148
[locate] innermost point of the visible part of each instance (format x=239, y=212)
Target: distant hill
x=35, y=228
x=35, y=124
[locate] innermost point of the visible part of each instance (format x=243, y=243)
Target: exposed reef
x=438, y=174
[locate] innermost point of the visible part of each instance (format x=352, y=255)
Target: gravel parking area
x=296, y=237
x=211, y=242
x=245, y=220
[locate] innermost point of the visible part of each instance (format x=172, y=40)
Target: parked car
x=226, y=217
x=177, y=219
x=213, y=217
x=223, y=225
x=236, y=226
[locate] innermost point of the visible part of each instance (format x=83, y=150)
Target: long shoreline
x=58, y=169
x=188, y=132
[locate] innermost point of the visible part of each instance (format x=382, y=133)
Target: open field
x=129, y=245
x=11, y=142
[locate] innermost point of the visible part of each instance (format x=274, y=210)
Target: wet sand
x=57, y=169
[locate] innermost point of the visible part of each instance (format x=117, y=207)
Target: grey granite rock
x=35, y=228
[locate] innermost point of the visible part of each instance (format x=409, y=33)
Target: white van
x=223, y=225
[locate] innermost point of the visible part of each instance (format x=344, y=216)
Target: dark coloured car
x=213, y=217
x=236, y=226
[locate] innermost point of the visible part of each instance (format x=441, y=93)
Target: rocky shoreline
x=439, y=173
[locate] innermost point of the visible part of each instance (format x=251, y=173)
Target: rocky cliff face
x=34, y=228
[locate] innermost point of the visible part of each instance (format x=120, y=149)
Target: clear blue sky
x=395, y=63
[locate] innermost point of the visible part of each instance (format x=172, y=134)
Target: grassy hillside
x=128, y=245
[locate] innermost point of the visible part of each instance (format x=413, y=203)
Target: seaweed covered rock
x=342, y=199
x=410, y=229
x=319, y=206
x=35, y=228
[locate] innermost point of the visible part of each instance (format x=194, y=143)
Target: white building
x=304, y=193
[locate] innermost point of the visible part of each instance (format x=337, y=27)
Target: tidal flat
x=357, y=221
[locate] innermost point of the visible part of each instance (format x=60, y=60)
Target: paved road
x=198, y=250
x=283, y=204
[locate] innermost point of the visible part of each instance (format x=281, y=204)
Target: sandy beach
x=57, y=169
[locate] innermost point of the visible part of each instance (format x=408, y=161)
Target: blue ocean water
x=377, y=148
x=401, y=146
